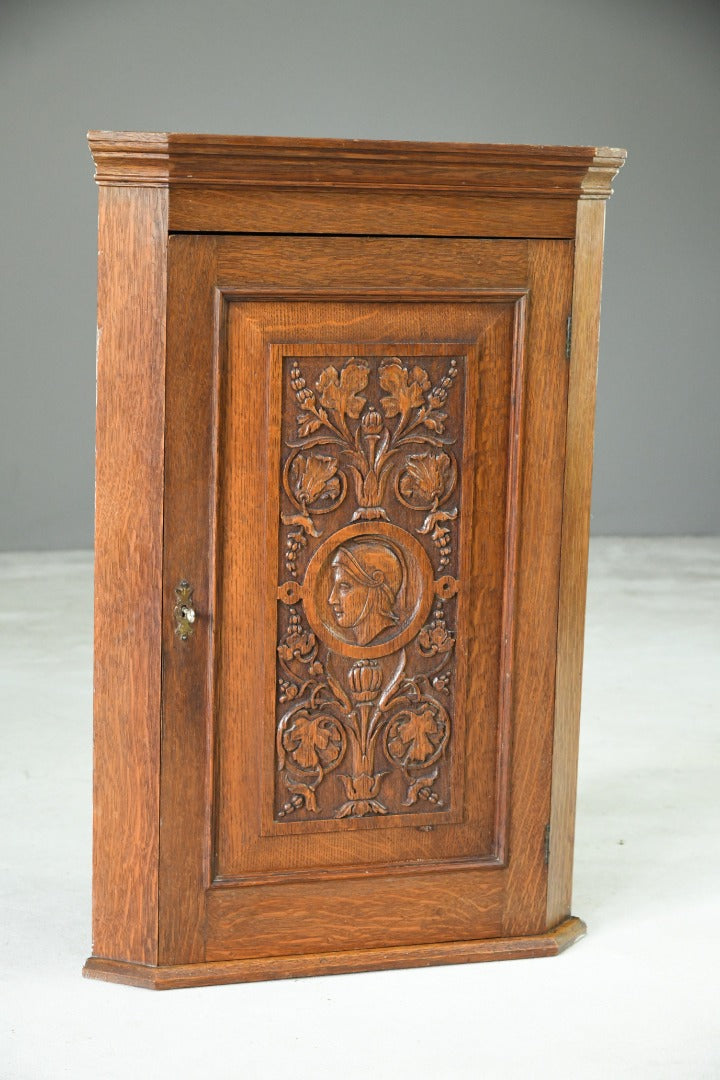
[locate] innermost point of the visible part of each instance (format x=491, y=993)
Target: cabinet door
x=364, y=462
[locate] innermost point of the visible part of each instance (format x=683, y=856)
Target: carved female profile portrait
x=367, y=590
x=368, y=578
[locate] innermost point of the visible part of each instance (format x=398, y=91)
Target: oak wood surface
x=128, y=568
x=575, y=538
x=354, y=913
x=455, y=213
x=280, y=264
x=238, y=851
x=242, y=921
x=189, y=512
x=535, y=620
x=202, y=873
x=550, y=943
x=162, y=158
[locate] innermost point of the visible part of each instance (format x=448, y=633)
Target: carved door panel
x=362, y=438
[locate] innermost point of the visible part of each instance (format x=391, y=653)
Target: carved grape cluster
x=297, y=382
x=429, y=795
x=442, y=683
x=438, y=394
x=296, y=539
x=295, y=802
x=443, y=542
x=288, y=690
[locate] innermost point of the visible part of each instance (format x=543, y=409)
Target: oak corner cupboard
x=344, y=446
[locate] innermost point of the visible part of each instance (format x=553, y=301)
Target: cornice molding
x=165, y=160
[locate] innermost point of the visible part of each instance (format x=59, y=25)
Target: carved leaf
x=412, y=738
x=425, y=477
x=417, y=786
x=303, y=521
x=341, y=392
x=308, y=737
x=305, y=792
x=405, y=389
x=431, y=522
x=313, y=478
x=307, y=424
x=339, y=692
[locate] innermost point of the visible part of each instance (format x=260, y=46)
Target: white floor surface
x=639, y=997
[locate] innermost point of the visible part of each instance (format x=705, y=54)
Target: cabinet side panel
x=574, y=553
x=538, y=568
x=128, y=569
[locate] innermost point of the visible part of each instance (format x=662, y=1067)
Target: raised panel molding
x=349, y=750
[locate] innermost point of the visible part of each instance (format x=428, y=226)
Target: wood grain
x=342, y=248
x=162, y=158
x=248, y=210
x=377, y=266
x=280, y=920
x=287, y=263
x=128, y=570
x=245, y=847
x=541, y=480
x=246, y=267
x=575, y=538
x=189, y=515
x=550, y=943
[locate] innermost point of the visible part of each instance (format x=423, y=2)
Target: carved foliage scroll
x=368, y=581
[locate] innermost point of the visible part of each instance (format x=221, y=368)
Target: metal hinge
x=568, y=337
x=547, y=843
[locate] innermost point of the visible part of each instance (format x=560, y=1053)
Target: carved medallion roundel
x=368, y=590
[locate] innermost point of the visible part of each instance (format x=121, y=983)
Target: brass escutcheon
x=184, y=612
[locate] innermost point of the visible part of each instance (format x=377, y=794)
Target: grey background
x=633, y=73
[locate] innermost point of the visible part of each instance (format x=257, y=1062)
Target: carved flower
x=425, y=478
x=297, y=646
x=361, y=792
x=435, y=638
x=372, y=423
x=417, y=737
x=365, y=678
x=340, y=391
x=405, y=389
x=313, y=478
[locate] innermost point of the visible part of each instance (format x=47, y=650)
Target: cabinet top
x=161, y=159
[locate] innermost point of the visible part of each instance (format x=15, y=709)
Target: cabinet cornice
x=161, y=159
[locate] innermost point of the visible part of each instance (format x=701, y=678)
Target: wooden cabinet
x=345, y=407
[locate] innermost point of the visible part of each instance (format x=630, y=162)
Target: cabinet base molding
x=262, y=969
